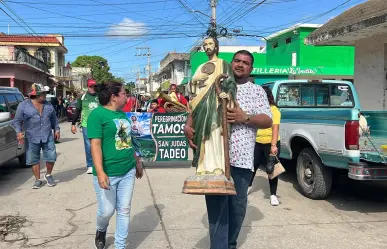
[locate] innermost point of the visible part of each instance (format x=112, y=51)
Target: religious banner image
x=165, y=141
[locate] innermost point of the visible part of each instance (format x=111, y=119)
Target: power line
x=81, y=4
x=185, y=6
x=17, y=16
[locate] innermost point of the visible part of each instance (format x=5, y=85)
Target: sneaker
x=89, y=170
x=274, y=200
x=100, y=240
x=249, y=190
x=38, y=184
x=50, y=180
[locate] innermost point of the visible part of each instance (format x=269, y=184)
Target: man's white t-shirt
x=253, y=100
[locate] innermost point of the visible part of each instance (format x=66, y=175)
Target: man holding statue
x=247, y=110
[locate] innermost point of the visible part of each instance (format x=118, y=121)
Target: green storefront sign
x=285, y=71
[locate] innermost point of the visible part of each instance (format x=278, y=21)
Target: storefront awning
x=185, y=80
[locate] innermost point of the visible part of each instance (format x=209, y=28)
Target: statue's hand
x=224, y=95
x=200, y=77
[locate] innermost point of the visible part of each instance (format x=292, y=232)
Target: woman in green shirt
x=115, y=162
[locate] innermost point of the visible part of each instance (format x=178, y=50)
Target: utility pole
x=137, y=72
x=142, y=52
x=213, y=18
x=213, y=8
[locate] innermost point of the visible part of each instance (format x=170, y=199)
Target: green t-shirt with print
x=113, y=128
x=86, y=104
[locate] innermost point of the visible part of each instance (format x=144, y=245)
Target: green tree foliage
x=119, y=79
x=130, y=86
x=100, y=69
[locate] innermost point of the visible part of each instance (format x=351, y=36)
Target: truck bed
x=370, y=147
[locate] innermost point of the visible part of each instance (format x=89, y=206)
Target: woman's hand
x=139, y=169
x=103, y=181
x=273, y=150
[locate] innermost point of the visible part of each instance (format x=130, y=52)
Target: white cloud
x=127, y=28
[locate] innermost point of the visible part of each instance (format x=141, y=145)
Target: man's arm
x=18, y=119
x=260, y=120
x=54, y=122
x=263, y=118
x=78, y=110
x=76, y=116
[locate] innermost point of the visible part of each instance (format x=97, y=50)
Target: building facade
x=174, y=69
x=287, y=57
x=79, y=76
x=365, y=27
x=28, y=59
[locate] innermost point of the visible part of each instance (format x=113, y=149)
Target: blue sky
x=114, y=28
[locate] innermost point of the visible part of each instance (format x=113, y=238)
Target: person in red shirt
x=155, y=108
x=131, y=104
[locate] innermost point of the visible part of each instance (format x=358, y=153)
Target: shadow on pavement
x=363, y=197
x=346, y=194
x=252, y=214
x=68, y=175
x=148, y=217
x=12, y=176
x=67, y=139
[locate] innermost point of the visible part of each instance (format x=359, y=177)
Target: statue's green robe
x=207, y=120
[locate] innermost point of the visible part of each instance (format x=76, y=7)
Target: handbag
x=278, y=169
x=271, y=162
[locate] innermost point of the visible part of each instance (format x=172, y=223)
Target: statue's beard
x=210, y=52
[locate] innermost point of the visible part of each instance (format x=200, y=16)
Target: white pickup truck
x=320, y=131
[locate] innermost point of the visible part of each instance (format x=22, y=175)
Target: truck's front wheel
x=313, y=177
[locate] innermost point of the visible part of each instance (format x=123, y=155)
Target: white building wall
x=178, y=74
x=370, y=72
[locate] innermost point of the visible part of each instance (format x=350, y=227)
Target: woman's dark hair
x=270, y=96
x=245, y=52
x=106, y=90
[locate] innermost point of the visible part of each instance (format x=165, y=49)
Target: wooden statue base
x=209, y=185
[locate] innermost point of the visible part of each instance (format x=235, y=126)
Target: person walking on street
x=38, y=119
x=268, y=143
x=115, y=163
x=85, y=104
x=60, y=110
x=252, y=112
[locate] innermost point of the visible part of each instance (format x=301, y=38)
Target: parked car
x=319, y=130
x=9, y=147
x=70, y=111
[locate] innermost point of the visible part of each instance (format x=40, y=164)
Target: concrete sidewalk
x=355, y=215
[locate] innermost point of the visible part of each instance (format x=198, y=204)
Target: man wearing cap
x=85, y=104
x=147, y=101
x=37, y=118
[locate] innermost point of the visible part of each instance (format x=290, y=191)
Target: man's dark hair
x=106, y=90
x=245, y=52
x=154, y=101
x=216, y=44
